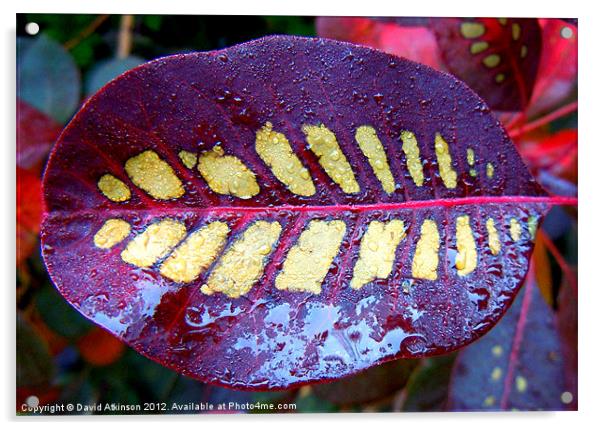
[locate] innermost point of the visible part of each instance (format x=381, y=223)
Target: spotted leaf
x=496, y=57
x=288, y=210
x=517, y=366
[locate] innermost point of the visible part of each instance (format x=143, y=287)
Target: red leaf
x=555, y=153
x=29, y=212
x=498, y=58
x=557, y=74
x=265, y=298
x=414, y=42
x=100, y=348
x=36, y=133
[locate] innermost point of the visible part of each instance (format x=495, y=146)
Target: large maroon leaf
x=498, y=58
x=301, y=320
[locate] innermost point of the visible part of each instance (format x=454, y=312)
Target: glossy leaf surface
x=498, y=58
x=517, y=366
x=284, y=289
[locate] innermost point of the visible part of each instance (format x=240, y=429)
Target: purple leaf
x=248, y=217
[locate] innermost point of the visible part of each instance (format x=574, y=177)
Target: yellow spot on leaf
x=499, y=78
x=196, y=253
x=243, y=263
x=466, y=259
x=447, y=172
x=377, y=252
x=154, y=243
x=227, y=174
x=324, y=144
x=154, y=175
x=515, y=31
x=111, y=233
x=521, y=384
x=426, y=257
x=188, y=158
x=492, y=60
x=373, y=149
x=503, y=21
x=523, y=51
x=497, y=350
x=309, y=260
x=113, y=188
x=478, y=47
x=412, y=152
x=275, y=150
x=532, y=226
x=496, y=374
x=470, y=156
x=472, y=30
x=494, y=240
x=489, y=401
x=490, y=170
x=515, y=229
x=472, y=172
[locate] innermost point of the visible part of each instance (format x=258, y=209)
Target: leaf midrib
x=413, y=204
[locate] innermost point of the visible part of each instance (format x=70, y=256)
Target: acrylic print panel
x=229, y=221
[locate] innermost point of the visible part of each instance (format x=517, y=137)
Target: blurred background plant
x=528, y=361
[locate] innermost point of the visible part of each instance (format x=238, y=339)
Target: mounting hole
x=566, y=32
x=32, y=401
x=32, y=28
x=566, y=397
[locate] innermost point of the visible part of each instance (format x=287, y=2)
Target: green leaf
x=105, y=71
x=48, y=79
x=58, y=315
x=369, y=385
x=153, y=22
x=34, y=362
x=427, y=387
x=307, y=402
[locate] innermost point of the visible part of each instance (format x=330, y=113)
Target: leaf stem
x=124, y=40
x=91, y=28
x=546, y=119
x=518, y=338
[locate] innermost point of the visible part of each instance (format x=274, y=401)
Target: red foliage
x=36, y=133
x=99, y=347
x=413, y=42
x=29, y=212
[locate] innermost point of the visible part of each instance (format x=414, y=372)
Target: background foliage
x=63, y=358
